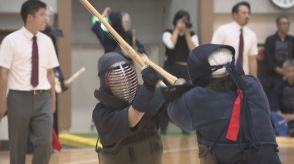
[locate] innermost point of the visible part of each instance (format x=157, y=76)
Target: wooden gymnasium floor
x=177, y=150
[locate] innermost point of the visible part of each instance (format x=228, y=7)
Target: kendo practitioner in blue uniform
x=125, y=116
x=229, y=110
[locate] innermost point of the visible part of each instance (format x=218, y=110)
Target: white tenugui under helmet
x=220, y=57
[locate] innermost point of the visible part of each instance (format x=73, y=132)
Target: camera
x=188, y=24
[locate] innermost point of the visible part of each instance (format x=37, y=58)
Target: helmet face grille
x=122, y=81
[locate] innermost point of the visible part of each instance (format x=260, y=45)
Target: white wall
x=13, y=6
x=10, y=13
x=83, y=101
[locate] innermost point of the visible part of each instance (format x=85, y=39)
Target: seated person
x=288, y=97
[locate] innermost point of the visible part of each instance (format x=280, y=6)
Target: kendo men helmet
x=209, y=60
x=117, y=76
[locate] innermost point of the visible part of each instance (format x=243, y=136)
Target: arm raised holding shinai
x=143, y=62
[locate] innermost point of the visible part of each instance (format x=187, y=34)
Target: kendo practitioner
x=54, y=34
x=229, y=110
x=287, y=98
x=125, y=116
x=121, y=23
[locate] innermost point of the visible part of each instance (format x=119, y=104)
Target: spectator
x=241, y=37
x=178, y=42
x=279, y=48
x=288, y=97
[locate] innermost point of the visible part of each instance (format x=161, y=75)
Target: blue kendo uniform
x=209, y=111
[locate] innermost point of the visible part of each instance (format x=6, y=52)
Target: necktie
x=241, y=49
x=35, y=63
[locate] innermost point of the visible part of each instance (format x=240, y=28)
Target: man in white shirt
x=242, y=38
x=27, y=59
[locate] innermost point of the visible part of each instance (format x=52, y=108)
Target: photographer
x=178, y=42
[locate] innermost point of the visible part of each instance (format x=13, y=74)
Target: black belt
x=33, y=92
